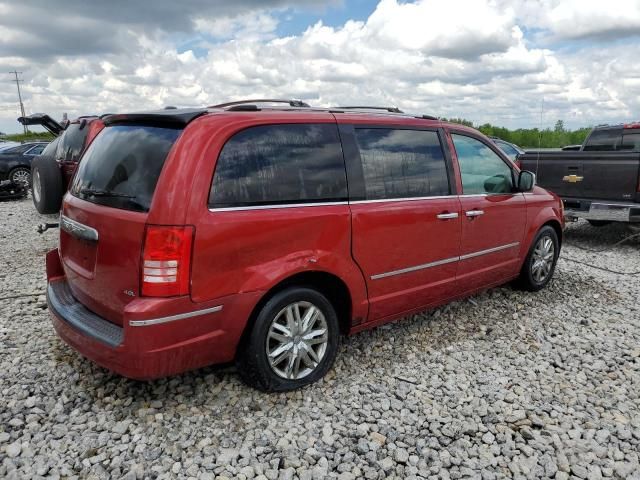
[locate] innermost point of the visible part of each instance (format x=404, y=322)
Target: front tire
x=540, y=263
x=293, y=342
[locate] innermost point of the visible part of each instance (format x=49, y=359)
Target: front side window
x=280, y=164
x=482, y=170
x=400, y=163
x=122, y=165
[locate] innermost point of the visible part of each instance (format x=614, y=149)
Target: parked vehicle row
x=599, y=182
x=259, y=234
x=15, y=162
x=53, y=170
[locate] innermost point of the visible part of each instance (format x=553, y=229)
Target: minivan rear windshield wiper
x=104, y=193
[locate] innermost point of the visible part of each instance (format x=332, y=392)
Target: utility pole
x=18, y=80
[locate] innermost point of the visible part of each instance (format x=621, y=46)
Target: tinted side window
x=482, y=170
x=280, y=164
x=631, y=141
x=604, y=140
x=402, y=163
x=37, y=150
x=71, y=143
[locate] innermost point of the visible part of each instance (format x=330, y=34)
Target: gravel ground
x=507, y=384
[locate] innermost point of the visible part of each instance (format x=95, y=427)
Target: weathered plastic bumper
x=142, y=348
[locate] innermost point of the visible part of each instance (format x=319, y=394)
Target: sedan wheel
x=21, y=176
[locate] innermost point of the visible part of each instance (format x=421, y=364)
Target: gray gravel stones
x=511, y=385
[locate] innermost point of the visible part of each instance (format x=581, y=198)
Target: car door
x=405, y=219
x=493, y=215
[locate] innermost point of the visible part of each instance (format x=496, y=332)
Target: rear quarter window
x=631, y=141
x=279, y=165
x=122, y=165
x=71, y=143
x=605, y=140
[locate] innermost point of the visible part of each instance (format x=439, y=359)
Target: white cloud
x=451, y=58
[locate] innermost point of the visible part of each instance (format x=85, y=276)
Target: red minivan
x=259, y=234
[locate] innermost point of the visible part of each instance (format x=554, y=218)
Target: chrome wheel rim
x=36, y=185
x=297, y=340
x=21, y=176
x=542, y=261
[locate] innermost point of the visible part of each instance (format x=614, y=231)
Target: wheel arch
x=329, y=284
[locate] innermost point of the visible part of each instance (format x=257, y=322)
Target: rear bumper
x=601, y=210
x=143, y=348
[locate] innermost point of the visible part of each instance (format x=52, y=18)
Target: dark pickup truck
x=599, y=182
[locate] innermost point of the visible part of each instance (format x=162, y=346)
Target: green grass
x=29, y=137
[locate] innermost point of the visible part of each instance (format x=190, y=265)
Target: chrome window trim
x=444, y=261
x=405, y=199
x=173, y=318
x=77, y=229
x=282, y=205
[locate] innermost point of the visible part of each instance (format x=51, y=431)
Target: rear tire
x=46, y=188
x=541, y=260
x=598, y=223
x=293, y=342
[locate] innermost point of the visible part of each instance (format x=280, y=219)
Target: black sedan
x=15, y=162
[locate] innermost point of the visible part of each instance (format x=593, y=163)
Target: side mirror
x=526, y=181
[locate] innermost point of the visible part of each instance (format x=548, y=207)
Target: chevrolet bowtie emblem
x=572, y=178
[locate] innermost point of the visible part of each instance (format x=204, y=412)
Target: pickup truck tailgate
x=595, y=175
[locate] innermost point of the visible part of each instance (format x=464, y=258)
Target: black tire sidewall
x=51, y=190
x=526, y=275
x=254, y=364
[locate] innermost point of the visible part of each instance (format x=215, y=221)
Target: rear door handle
x=447, y=216
x=474, y=213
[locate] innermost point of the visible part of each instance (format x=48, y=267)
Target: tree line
x=555, y=137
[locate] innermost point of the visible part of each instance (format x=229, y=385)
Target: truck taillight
x=166, y=261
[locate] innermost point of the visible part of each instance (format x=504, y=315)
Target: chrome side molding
x=444, y=261
x=173, y=318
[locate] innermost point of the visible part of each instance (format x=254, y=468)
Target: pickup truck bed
x=602, y=186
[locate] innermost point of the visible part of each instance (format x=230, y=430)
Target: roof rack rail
x=428, y=117
x=292, y=103
x=365, y=107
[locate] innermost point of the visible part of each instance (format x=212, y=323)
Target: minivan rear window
x=121, y=167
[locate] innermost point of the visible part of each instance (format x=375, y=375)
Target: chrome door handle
x=447, y=216
x=474, y=213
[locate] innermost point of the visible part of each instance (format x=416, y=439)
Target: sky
x=513, y=63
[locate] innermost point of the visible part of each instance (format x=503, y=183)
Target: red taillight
x=166, y=261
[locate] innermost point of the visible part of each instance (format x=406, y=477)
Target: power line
x=18, y=80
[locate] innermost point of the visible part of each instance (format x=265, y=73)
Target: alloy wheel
x=22, y=176
x=297, y=340
x=542, y=260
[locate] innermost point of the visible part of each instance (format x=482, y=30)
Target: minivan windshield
x=121, y=167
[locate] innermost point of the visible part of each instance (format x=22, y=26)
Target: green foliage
x=531, y=137
x=29, y=137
